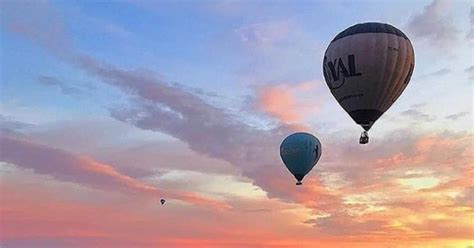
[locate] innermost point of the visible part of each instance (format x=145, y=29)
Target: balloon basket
x=364, y=138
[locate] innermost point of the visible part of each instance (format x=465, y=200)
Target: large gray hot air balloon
x=367, y=67
x=300, y=152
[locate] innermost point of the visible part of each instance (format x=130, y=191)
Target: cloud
x=108, y=28
x=359, y=181
x=132, y=151
x=418, y=105
x=10, y=126
x=158, y=106
x=264, y=35
x=435, y=25
x=363, y=171
x=438, y=73
x=38, y=212
x=274, y=51
x=60, y=164
x=470, y=72
x=470, y=34
x=207, y=129
x=38, y=21
x=287, y=103
x=341, y=224
x=417, y=115
x=446, y=228
x=83, y=170
x=466, y=198
x=64, y=87
x=278, y=103
x=355, y=185
x=456, y=116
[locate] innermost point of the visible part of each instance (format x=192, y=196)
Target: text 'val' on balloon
x=367, y=66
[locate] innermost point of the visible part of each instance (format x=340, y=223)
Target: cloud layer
x=83, y=170
x=410, y=187
x=435, y=25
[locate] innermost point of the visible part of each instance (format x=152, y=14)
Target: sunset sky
x=108, y=106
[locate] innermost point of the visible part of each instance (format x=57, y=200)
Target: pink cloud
x=52, y=214
x=290, y=104
x=84, y=170
x=162, y=107
x=280, y=103
x=38, y=21
x=371, y=172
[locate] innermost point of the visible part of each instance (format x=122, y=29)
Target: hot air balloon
x=367, y=67
x=300, y=152
x=162, y=201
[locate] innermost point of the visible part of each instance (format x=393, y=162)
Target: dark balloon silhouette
x=162, y=201
x=367, y=67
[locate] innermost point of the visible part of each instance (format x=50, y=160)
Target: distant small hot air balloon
x=300, y=152
x=367, y=67
x=162, y=201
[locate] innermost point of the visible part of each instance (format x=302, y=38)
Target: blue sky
x=211, y=45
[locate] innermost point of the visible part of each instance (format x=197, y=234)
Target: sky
x=109, y=106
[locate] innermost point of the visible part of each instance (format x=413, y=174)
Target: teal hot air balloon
x=367, y=66
x=300, y=152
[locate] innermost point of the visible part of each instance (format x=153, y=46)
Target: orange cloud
x=280, y=103
x=287, y=103
x=86, y=171
x=52, y=213
x=377, y=208
x=395, y=191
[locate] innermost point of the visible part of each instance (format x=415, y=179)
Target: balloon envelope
x=367, y=67
x=300, y=152
x=162, y=201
